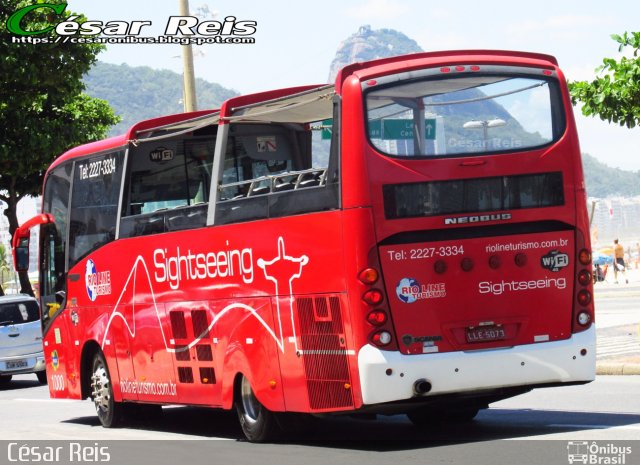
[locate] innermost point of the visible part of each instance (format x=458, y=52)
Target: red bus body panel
x=180, y=315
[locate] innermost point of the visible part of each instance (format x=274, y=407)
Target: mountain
x=368, y=44
x=138, y=92
x=604, y=181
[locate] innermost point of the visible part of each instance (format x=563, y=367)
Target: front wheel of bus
x=258, y=424
x=109, y=411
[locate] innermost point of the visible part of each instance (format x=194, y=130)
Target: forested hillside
x=139, y=92
x=605, y=181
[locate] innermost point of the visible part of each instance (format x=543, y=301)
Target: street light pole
x=188, y=72
x=484, y=125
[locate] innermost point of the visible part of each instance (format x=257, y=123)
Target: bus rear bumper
x=390, y=376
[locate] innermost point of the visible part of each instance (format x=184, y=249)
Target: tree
x=615, y=95
x=43, y=111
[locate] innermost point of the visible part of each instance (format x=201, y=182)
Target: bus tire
x=110, y=413
x=258, y=424
x=42, y=376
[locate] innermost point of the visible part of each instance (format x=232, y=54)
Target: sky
x=297, y=40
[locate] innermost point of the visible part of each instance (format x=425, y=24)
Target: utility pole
x=188, y=72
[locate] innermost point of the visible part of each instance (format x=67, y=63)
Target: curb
x=613, y=368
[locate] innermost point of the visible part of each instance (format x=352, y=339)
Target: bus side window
x=94, y=203
x=169, y=186
x=268, y=169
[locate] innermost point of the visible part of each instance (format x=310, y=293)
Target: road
x=604, y=411
x=535, y=428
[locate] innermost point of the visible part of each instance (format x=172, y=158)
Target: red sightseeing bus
x=412, y=239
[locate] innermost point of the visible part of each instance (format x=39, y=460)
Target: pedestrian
x=618, y=261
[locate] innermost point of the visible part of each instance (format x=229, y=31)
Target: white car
x=20, y=338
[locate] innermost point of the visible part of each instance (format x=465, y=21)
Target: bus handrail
x=271, y=181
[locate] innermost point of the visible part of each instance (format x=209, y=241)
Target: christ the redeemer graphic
x=282, y=271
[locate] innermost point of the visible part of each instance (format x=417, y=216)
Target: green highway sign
x=326, y=129
x=399, y=129
x=389, y=129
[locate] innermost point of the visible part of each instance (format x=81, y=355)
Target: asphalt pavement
x=618, y=337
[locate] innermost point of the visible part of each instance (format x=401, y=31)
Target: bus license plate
x=485, y=334
x=16, y=364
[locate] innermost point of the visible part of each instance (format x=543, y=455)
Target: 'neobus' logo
x=477, y=218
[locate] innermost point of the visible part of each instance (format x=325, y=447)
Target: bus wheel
x=42, y=376
x=258, y=424
x=109, y=411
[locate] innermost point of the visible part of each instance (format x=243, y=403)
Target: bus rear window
x=467, y=115
x=480, y=195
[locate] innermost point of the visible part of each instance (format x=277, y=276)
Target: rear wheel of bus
x=109, y=411
x=258, y=424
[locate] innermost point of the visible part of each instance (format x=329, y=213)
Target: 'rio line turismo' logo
x=97, y=283
x=410, y=290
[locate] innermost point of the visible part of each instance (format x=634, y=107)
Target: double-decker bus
x=410, y=239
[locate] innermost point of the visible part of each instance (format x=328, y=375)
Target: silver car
x=20, y=338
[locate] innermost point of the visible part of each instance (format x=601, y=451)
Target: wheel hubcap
x=100, y=388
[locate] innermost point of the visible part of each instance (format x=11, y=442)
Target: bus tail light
x=373, y=297
x=584, y=318
x=584, y=277
x=377, y=317
x=584, y=297
x=368, y=276
x=584, y=257
x=381, y=338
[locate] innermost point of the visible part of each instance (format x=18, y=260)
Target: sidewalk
x=627, y=364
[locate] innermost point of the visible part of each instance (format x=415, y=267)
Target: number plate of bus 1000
x=485, y=333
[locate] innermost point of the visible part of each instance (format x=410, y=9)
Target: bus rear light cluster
x=583, y=307
x=494, y=262
x=377, y=316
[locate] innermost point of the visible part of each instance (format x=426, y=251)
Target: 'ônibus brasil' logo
x=97, y=283
x=409, y=290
